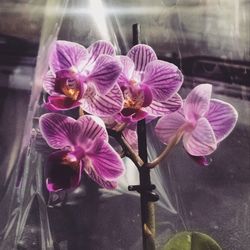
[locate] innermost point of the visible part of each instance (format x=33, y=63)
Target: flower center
x=70, y=88
x=70, y=160
x=133, y=98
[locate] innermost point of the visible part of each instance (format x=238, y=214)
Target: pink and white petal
x=61, y=102
x=99, y=180
x=58, y=130
x=197, y=102
x=60, y=176
x=168, y=125
x=163, y=78
x=105, y=73
x=131, y=137
x=99, y=48
x=127, y=70
x=92, y=127
x=222, y=117
x=201, y=140
x=104, y=105
x=147, y=95
x=164, y=108
x=49, y=83
x=67, y=55
x=105, y=160
x=141, y=55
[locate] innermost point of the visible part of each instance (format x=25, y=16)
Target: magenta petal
x=141, y=55
x=49, y=83
x=104, y=105
x=197, y=102
x=92, y=127
x=127, y=70
x=147, y=95
x=203, y=161
x=61, y=102
x=168, y=125
x=105, y=73
x=131, y=137
x=67, y=55
x=201, y=140
x=99, y=180
x=105, y=161
x=98, y=48
x=59, y=131
x=164, y=108
x=59, y=175
x=164, y=79
x=222, y=117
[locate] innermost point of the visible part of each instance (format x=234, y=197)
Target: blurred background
x=209, y=40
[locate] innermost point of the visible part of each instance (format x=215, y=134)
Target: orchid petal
x=92, y=127
x=61, y=102
x=164, y=79
x=104, y=105
x=164, y=108
x=59, y=175
x=147, y=95
x=99, y=180
x=141, y=55
x=197, y=102
x=49, y=83
x=58, y=130
x=203, y=161
x=168, y=126
x=127, y=70
x=67, y=55
x=98, y=48
x=105, y=160
x=222, y=117
x=201, y=140
x=105, y=73
x=131, y=137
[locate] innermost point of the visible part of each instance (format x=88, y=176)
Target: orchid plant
x=114, y=92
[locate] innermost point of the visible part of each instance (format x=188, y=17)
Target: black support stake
x=145, y=188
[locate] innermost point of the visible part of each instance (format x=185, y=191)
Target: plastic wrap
x=214, y=37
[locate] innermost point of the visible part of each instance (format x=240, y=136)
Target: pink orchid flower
x=84, y=77
x=149, y=85
x=82, y=146
x=202, y=122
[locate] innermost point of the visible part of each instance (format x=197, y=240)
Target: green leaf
x=191, y=241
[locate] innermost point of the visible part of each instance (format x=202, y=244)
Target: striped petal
x=105, y=161
x=60, y=102
x=58, y=130
x=67, y=55
x=165, y=108
x=163, y=78
x=61, y=175
x=127, y=70
x=105, y=73
x=99, y=48
x=222, y=117
x=99, y=180
x=201, y=140
x=49, y=83
x=141, y=55
x=168, y=126
x=103, y=105
x=197, y=102
x=92, y=127
x=131, y=137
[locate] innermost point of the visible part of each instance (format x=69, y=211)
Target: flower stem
x=165, y=151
